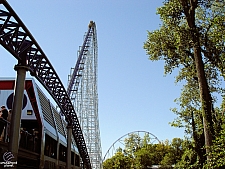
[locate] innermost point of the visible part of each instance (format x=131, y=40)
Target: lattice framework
x=16, y=39
x=84, y=95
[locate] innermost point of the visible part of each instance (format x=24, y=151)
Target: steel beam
x=16, y=38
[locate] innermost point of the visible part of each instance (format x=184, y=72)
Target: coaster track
x=16, y=39
x=82, y=89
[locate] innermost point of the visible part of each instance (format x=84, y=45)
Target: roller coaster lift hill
x=16, y=39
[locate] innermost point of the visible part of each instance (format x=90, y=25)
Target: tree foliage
x=191, y=39
x=118, y=161
x=165, y=154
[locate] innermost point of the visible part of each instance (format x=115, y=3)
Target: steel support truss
x=82, y=89
x=16, y=38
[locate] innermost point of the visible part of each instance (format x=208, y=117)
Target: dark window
x=62, y=153
x=72, y=158
x=29, y=112
x=77, y=160
x=30, y=134
x=50, y=147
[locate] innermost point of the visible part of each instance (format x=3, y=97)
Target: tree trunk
x=199, y=142
x=206, y=101
x=204, y=94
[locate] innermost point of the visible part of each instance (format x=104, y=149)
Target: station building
x=43, y=132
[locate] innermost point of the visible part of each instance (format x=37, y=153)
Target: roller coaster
x=17, y=40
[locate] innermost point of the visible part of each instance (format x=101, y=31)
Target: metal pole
x=69, y=134
x=13, y=145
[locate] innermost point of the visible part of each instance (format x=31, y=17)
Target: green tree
x=218, y=148
x=132, y=144
x=191, y=38
x=161, y=150
x=173, y=154
x=143, y=158
x=118, y=161
x=145, y=154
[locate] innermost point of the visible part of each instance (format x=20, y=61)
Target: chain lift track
x=82, y=89
x=16, y=39
x=75, y=78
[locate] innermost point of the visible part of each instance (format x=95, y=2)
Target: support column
x=13, y=145
x=69, y=135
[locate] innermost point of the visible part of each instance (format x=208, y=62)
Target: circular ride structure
x=120, y=143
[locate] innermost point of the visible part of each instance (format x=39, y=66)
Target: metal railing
x=27, y=140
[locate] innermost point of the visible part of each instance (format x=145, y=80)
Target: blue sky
x=133, y=92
